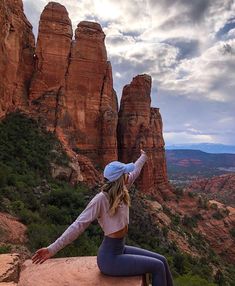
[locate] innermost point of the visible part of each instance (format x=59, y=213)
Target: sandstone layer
x=16, y=56
x=140, y=126
x=73, y=271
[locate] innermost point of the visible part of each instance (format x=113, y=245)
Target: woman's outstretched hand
x=142, y=152
x=41, y=255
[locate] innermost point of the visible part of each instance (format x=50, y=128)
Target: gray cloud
x=188, y=48
x=186, y=11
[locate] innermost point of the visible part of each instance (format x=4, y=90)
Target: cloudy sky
x=187, y=46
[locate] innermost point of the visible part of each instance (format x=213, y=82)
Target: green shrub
x=175, y=219
x=192, y=195
x=179, y=261
x=5, y=249
x=232, y=232
x=179, y=192
x=217, y=215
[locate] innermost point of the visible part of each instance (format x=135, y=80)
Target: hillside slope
x=220, y=188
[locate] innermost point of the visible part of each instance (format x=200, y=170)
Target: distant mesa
x=205, y=147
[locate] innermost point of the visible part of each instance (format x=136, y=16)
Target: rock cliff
x=140, y=126
x=16, y=56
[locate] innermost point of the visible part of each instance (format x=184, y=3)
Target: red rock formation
x=140, y=126
x=221, y=188
x=16, y=56
x=89, y=115
x=52, y=58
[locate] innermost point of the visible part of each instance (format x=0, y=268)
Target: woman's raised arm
x=139, y=163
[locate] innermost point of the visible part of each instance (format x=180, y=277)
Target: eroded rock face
x=140, y=126
x=51, y=63
x=89, y=114
x=16, y=56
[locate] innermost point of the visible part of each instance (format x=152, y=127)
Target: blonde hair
x=117, y=192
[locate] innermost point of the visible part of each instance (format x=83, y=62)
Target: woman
x=111, y=208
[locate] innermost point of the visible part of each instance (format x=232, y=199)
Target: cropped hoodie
x=98, y=208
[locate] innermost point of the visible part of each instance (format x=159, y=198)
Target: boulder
x=73, y=271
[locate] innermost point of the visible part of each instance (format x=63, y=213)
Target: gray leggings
x=117, y=259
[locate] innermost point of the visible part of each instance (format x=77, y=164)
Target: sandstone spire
x=51, y=63
x=140, y=126
x=89, y=116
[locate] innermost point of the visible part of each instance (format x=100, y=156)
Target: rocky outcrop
x=11, y=230
x=9, y=267
x=70, y=271
x=13, y=235
x=221, y=188
x=51, y=63
x=140, y=126
x=16, y=56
